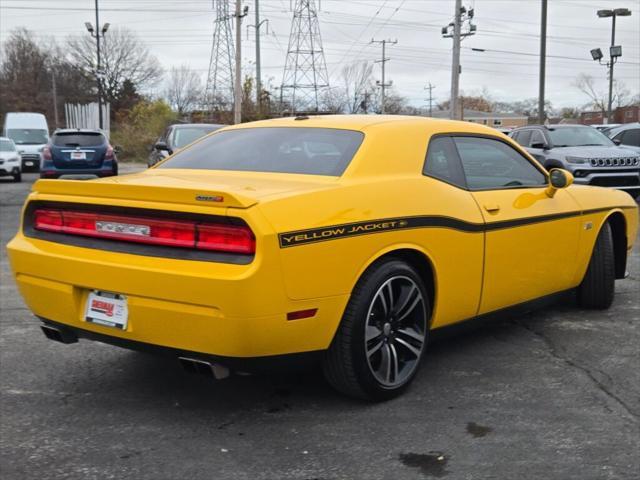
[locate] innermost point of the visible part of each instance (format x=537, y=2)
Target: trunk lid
x=80, y=157
x=192, y=187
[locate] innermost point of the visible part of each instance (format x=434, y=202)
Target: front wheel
x=383, y=334
x=598, y=286
x=17, y=177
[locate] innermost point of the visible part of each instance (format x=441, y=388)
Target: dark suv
x=78, y=153
x=589, y=155
x=179, y=136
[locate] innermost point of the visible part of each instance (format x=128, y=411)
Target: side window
x=536, y=137
x=524, y=137
x=442, y=162
x=492, y=164
x=631, y=137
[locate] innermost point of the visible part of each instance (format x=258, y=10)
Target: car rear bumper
x=76, y=173
x=8, y=170
x=226, y=310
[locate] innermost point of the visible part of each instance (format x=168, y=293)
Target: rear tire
x=598, y=286
x=382, y=337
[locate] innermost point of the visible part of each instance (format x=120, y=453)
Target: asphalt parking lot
x=550, y=395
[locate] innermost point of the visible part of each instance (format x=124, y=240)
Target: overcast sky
x=179, y=32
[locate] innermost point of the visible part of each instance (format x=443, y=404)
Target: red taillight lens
x=151, y=231
x=226, y=238
x=46, y=153
x=109, y=154
x=48, y=220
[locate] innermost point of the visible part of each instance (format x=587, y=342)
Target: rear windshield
x=313, y=151
x=7, y=146
x=184, y=136
x=88, y=139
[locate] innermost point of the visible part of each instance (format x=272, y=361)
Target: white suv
x=10, y=161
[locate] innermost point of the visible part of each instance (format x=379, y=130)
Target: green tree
x=137, y=129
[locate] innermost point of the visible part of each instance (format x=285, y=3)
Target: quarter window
x=492, y=164
x=523, y=138
x=442, y=162
x=536, y=137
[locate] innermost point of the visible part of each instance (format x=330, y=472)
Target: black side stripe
x=323, y=234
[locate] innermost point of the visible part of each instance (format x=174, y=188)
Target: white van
x=30, y=133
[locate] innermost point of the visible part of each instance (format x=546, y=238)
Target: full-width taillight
x=151, y=231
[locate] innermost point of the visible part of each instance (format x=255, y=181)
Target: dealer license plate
x=108, y=309
x=78, y=156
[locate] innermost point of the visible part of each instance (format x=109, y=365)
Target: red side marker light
x=300, y=314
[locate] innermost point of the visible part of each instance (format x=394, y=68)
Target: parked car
x=10, y=163
x=605, y=127
x=338, y=239
x=627, y=136
x=78, y=153
x=588, y=154
x=179, y=136
x=30, y=132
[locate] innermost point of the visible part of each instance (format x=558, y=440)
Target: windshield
x=87, y=139
x=578, y=137
x=7, y=146
x=184, y=136
x=28, y=136
x=313, y=151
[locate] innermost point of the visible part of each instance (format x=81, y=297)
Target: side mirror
x=160, y=146
x=617, y=141
x=541, y=145
x=558, y=178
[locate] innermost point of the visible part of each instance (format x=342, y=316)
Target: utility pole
x=237, y=104
x=257, y=27
x=383, y=85
x=430, y=99
x=454, y=30
x=455, y=63
x=55, y=97
x=543, y=58
x=615, y=51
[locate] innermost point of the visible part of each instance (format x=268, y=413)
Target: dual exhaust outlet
x=190, y=365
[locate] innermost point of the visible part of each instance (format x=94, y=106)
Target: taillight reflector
x=151, y=231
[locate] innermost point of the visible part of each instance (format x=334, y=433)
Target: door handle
x=492, y=207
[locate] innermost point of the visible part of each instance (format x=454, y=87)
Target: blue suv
x=78, y=153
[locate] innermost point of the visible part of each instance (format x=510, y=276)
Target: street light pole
x=614, y=51
x=100, y=120
x=611, y=62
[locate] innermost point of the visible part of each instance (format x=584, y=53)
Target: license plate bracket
x=78, y=156
x=107, y=309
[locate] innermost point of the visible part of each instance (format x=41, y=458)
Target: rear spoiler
x=150, y=193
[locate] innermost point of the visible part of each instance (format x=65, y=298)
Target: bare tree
x=598, y=98
x=184, y=89
x=124, y=57
x=28, y=68
x=358, y=85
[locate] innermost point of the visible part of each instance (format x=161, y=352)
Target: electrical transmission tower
x=219, y=90
x=305, y=71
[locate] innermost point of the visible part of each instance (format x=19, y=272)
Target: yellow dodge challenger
x=343, y=238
